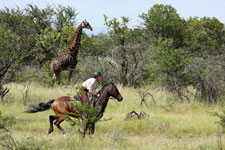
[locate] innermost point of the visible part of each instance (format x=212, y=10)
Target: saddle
x=92, y=98
x=77, y=97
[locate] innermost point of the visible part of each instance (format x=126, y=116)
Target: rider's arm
x=90, y=85
x=92, y=92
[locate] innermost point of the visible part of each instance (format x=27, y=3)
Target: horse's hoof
x=49, y=132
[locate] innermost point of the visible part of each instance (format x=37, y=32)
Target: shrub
x=87, y=114
x=6, y=122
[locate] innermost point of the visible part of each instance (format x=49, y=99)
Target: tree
x=12, y=55
x=51, y=42
x=186, y=52
x=162, y=21
x=96, y=45
x=25, y=38
x=65, y=15
x=172, y=66
x=47, y=22
x=204, y=36
x=205, y=45
x=166, y=29
x=130, y=51
x=40, y=18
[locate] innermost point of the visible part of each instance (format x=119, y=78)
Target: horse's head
x=114, y=92
x=108, y=90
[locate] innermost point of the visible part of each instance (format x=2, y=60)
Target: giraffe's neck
x=75, y=43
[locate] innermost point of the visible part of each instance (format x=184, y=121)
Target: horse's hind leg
x=51, y=119
x=57, y=123
x=85, y=129
x=91, y=128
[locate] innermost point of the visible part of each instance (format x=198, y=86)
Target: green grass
x=171, y=125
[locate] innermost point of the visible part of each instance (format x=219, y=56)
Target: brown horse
x=61, y=106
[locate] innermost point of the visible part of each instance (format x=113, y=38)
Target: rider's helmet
x=97, y=74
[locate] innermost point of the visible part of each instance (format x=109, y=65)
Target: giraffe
x=67, y=60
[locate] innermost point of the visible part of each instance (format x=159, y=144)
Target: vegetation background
x=180, y=62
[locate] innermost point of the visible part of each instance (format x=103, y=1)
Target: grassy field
x=171, y=125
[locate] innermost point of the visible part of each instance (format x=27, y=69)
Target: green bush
x=32, y=144
x=86, y=114
x=8, y=142
x=6, y=122
x=222, y=119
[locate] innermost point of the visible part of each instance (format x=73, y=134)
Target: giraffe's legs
x=54, y=77
x=57, y=75
x=70, y=74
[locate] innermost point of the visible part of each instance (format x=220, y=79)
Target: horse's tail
x=40, y=107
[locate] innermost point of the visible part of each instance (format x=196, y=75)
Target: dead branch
x=144, y=95
x=143, y=115
x=3, y=92
x=7, y=141
x=134, y=115
x=25, y=93
x=219, y=138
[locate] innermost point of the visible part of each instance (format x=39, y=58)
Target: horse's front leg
x=85, y=129
x=92, y=128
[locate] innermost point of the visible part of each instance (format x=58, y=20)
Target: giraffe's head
x=86, y=25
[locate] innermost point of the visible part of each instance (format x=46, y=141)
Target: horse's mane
x=102, y=89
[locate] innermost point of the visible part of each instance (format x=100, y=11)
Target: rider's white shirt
x=90, y=84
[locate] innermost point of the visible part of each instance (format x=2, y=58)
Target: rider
x=89, y=87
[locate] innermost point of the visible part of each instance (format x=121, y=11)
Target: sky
x=93, y=10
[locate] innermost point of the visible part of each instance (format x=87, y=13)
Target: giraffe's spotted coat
x=67, y=60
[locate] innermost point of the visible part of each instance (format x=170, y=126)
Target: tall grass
x=171, y=125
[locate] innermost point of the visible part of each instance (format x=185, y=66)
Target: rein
x=96, y=99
